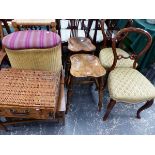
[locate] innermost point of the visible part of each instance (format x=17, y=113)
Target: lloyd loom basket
x=33, y=88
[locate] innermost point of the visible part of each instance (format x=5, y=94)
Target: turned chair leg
x=69, y=93
x=145, y=106
x=105, y=80
x=100, y=92
x=109, y=108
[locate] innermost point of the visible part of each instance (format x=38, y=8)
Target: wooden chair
x=126, y=84
x=2, y=50
x=6, y=25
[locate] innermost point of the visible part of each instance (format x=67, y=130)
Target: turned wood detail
x=145, y=106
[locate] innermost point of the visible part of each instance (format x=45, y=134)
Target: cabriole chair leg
x=100, y=92
x=109, y=108
x=145, y=106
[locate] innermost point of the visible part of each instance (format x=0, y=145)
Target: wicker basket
x=29, y=94
x=47, y=59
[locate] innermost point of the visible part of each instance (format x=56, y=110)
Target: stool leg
x=69, y=93
x=68, y=65
x=109, y=108
x=145, y=106
x=3, y=127
x=100, y=93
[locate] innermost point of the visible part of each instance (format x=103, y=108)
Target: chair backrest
x=114, y=24
x=6, y=25
x=35, y=24
x=134, y=56
x=77, y=28
x=82, y=25
x=112, y=27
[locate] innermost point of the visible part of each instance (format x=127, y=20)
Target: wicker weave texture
x=48, y=59
x=24, y=88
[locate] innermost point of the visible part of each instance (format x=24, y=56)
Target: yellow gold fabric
x=106, y=57
x=48, y=59
x=129, y=85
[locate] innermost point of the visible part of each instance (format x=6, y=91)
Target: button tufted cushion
x=106, y=57
x=129, y=85
x=31, y=39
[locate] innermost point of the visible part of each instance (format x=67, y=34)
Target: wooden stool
x=86, y=65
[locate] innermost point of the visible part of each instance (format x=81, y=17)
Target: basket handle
x=14, y=112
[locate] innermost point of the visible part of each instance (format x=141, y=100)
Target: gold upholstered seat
x=129, y=85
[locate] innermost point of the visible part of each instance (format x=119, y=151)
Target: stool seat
x=30, y=39
x=76, y=44
x=84, y=65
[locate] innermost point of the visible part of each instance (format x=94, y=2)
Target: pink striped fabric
x=31, y=39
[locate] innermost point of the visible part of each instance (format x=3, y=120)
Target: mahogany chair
x=126, y=84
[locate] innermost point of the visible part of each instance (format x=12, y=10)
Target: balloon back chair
x=126, y=84
x=33, y=88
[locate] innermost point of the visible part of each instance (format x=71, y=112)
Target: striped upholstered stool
x=34, y=49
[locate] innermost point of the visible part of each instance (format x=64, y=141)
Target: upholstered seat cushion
x=106, y=57
x=31, y=39
x=129, y=85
